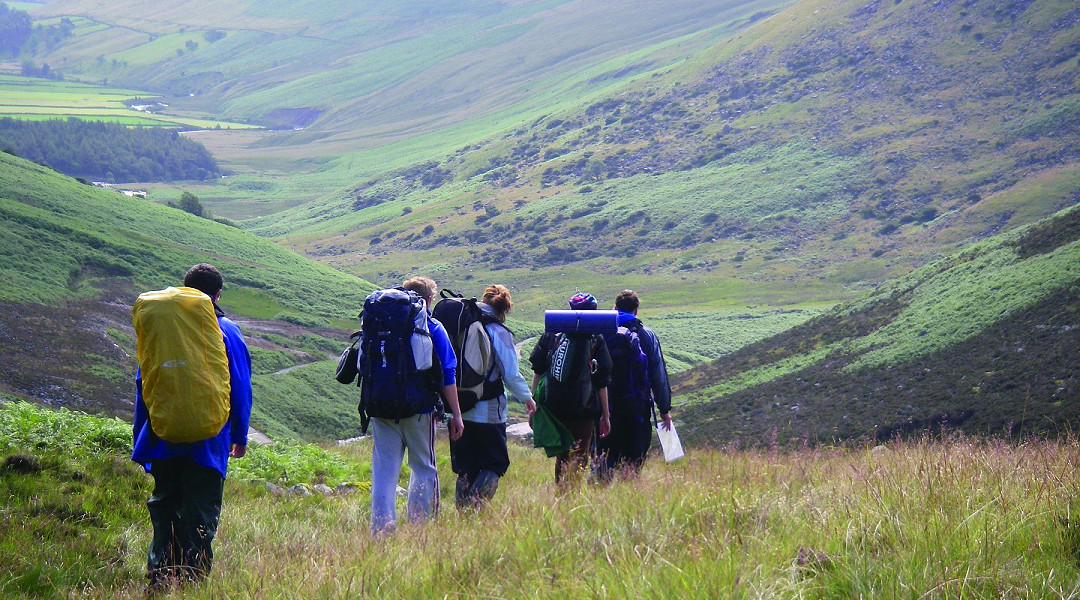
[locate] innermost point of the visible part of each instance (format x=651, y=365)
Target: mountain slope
x=348, y=71
x=75, y=257
x=985, y=341
x=829, y=143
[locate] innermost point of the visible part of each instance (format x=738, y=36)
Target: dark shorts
x=482, y=447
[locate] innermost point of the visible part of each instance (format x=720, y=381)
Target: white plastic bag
x=669, y=441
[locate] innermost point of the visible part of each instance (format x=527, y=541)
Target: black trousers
x=627, y=445
x=184, y=510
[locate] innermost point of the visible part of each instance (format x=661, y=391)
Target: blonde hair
x=425, y=286
x=498, y=297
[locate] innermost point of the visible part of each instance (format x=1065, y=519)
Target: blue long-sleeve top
x=213, y=452
x=658, y=378
x=506, y=367
x=440, y=341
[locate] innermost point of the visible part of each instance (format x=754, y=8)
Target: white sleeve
x=506, y=359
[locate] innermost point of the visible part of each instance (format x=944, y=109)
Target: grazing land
x=39, y=99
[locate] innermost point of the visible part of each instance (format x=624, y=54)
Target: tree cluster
x=17, y=32
x=108, y=151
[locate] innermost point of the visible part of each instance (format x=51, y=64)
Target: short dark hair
x=627, y=301
x=205, y=278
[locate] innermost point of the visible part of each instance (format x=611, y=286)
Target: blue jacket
x=214, y=452
x=658, y=379
x=444, y=348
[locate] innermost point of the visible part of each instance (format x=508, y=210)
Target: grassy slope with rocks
x=936, y=520
x=828, y=143
x=984, y=341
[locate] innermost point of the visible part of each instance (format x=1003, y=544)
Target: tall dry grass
x=958, y=518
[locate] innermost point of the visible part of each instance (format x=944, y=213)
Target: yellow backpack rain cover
x=182, y=360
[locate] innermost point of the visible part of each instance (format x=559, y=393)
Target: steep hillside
x=830, y=143
x=74, y=259
x=986, y=341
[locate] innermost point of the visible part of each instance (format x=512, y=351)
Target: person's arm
x=605, y=412
x=456, y=425
x=506, y=359
x=240, y=396
x=443, y=347
x=141, y=416
x=604, y=365
x=658, y=377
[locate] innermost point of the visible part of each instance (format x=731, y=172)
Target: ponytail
x=498, y=297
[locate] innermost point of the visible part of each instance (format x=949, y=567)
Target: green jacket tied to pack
x=182, y=363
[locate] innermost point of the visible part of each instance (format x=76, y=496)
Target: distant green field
x=36, y=99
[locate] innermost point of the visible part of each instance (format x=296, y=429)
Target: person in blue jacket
x=631, y=436
x=392, y=437
x=189, y=478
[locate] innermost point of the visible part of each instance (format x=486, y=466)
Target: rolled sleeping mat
x=581, y=321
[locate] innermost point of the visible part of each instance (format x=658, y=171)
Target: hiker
x=415, y=433
x=579, y=408
x=189, y=478
x=625, y=448
x=480, y=456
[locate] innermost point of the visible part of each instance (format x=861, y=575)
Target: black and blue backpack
x=400, y=373
x=629, y=393
x=464, y=321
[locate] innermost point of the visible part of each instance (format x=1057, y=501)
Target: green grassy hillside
x=63, y=238
x=985, y=341
x=959, y=518
x=75, y=258
x=828, y=145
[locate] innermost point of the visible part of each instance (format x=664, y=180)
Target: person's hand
x=457, y=427
x=237, y=451
x=666, y=421
x=605, y=426
x=530, y=405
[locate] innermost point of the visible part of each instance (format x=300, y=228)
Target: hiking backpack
x=464, y=322
x=182, y=363
x=567, y=383
x=400, y=374
x=629, y=394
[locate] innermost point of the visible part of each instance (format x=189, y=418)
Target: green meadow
x=929, y=518
x=35, y=99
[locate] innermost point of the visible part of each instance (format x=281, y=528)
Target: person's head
x=204, y=278
x=425, y=287
x=582, y=301
x=498, y=297
x=627, y=301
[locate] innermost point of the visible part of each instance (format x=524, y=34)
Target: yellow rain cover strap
x=184, y=366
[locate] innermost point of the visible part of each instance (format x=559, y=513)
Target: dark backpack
x=464, y=322
x=629, y=394
x=400, y=374
x=568, y=380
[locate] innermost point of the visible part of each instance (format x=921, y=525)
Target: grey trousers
x=391, y=439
